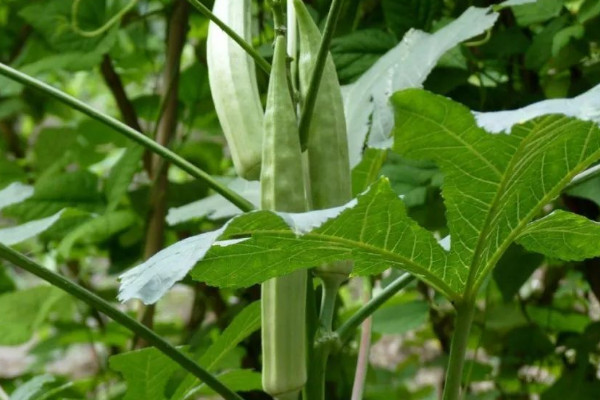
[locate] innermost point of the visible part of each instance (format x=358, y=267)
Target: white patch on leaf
x=303, y=223
x=152, y=279
x=512, y=3
x=586, y=107
x=366, y=101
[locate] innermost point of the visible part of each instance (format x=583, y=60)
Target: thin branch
x=349, y=327
x=362, y=364
x=125, y=106
x=258, y=59
x=106, y=26
x=129, y=132
x=123, y=319
x=317, y=74
x=7, y=128
x=167, y=126
x=116, y=87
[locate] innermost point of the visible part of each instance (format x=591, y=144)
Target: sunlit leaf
x=24, y=311
x=493, y=184
x=244, y=324
x=563, y=235
x=374, y=231
x=148, y=371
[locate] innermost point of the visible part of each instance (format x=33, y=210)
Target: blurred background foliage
x=537, y=334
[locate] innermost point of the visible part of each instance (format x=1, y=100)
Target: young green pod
x=282, y=189
x=234, y=89
x=329, y=165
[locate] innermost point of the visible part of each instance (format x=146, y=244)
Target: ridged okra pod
x=234, y=89
x=329, y=165
x=282, y=189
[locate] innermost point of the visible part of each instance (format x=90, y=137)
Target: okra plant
x=324, y=200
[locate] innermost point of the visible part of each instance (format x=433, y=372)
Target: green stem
x=349, y=327
x=103, y=28
x=317, y=74
x=123, y=319
x=331, y=285
x=325, y=339
x=315, y=385
x=458, y=350
x=278, y=16
x=584, y=176
x=129, y=132
x=258, y=59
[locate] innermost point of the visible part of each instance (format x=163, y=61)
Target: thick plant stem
x=325, y=339
x=315, y=385
x=128, y=132
x=123, y=319
x=458, y=350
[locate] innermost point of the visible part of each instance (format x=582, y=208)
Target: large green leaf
x=148, y=371
x=244, y=324
x=77, y=189
x=239, y=380
x=25, y=310
x=401, y=15
x=355, y=52
x=121, y=175
x=493, y=184
x=98, y=229
x=374, y=231
x=536, y=12
x=369, y=116
x=563, y=235
x=53, y=20
x=33, y=388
